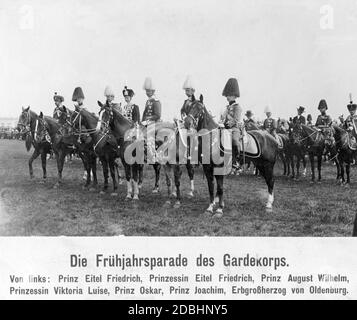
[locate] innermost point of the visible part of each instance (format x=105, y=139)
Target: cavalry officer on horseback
x=152, y=111
x=109, y=94
x=271, y=125
x=189, y=88
x=299, y=119
x=130, y=110
x=232, y=117
x=59, y=107
x=249, y=122
x=323, y=120
x=350, y=123
x=309, y=121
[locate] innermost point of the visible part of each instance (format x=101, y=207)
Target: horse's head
x=295, y=134
x=329, y=137
x=23, y=124
x=105, y=116
x=195, y=115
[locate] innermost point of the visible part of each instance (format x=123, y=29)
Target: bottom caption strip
x=180, y=268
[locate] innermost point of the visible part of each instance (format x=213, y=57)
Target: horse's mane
x=120, y=117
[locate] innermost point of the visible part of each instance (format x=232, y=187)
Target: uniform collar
x=232, y=102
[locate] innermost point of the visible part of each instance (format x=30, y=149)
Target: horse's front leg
x=44, y=162
x=319, y=164
x=219, y=194
x=177, y=175
x=348, y=170
x=140, y=168
x=312, y=163
x=135, y=175
x=270, y=181
x=208, y=171
x=112, y=173
x=190, y=171
x=34, y=156
x=105, y=174
x=60, y=156
x=157, y=167
x=167, y=170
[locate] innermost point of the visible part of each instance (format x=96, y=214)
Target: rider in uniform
x=271, y=125
x=152, y=111
x=323, y=120
x=59, y=105
x=299, y=119
x=309, y=121
x=189, y=88
x=232, y=117
x=130, y=110
x=249, y=122
x=350, y=123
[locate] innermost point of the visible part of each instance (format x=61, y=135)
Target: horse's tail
x=28, y=142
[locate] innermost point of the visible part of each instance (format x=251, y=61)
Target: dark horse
x=208, y=130
x=71, y=131
x=345, y=154
x=296, y=149
x=314, y=141
x=110, y=145
x=28, y=125
x=134, y=139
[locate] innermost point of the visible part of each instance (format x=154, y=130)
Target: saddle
x=248, y=144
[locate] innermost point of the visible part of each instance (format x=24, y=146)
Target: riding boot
x=235, y=157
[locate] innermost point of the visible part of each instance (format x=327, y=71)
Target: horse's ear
x=201, y=98
x=27, y=109
x=64, y=108
x=41, y=115
x=100, y=104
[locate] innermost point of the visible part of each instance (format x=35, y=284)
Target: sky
x=284, y=53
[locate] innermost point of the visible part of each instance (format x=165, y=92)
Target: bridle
x=25, y=125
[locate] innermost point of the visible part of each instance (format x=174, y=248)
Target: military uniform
x=152, y=110
x=185, y=110
x=131, y=112
x=300, y=119
x=323, y=120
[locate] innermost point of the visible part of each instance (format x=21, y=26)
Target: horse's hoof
x=347, y=185
x=218, y=214
x=120, y=182
x=140, y=185
x=155, y=190
x=269, y=209
x=42, y=181
x=136, y=197
x=55, y=186
x=167, y=204
x=102, y=192
x=177, y=205
x=207, y=214
x=114, y=194
x=128, y=197
x=190, y=194
x=92, y=189
x=312, y=181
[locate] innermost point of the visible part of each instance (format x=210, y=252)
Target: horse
x=284, y=151
x=264, y=157
x=27, y=125
x=73, y=133
x=296, y=149
x=345, y=153
x=111, y=143
x=108, y=149
x=313, y=140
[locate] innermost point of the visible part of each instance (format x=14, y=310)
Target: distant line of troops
x=231, y=118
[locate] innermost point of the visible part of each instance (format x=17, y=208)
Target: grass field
x=29, y=208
